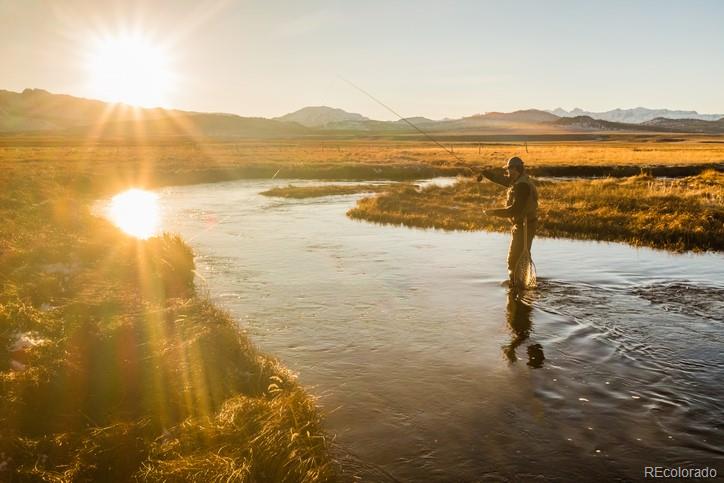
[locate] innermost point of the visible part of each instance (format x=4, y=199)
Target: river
x=427, y=369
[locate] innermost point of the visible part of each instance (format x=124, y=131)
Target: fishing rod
x=449, y=151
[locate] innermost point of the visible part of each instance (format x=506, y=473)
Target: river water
x=427, y=369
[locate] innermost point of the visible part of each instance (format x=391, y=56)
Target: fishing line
x=525, y=262
x=449, y=151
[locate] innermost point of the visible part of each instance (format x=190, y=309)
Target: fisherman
x=521, y=208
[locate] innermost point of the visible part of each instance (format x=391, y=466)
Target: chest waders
x=523, y=273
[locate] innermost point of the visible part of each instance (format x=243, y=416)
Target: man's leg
x=515, y=250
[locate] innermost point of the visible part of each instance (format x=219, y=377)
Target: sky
x=424, y=58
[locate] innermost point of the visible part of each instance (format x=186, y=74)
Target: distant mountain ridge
x=636, y=115
x=36, y=110
x=587, y=123
x=687, y=125
x=525, y=116
x=320, y=116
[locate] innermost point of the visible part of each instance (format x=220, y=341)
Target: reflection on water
x=520, y=324
x=399, y=332
x=136, y=212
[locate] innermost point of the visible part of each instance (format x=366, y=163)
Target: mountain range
x=39, y=111
x=321, y=116
x=636, y=115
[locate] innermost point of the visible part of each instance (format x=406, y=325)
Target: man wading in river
x=521, y=208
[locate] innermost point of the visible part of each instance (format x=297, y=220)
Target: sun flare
x=130, y=69
x=136, y=212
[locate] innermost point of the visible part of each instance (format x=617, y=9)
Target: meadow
x=113, y=366
x=182, y=161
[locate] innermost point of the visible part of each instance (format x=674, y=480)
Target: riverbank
x=113, y=367
x=683, y=214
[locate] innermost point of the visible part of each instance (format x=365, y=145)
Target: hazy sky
x=431, y=58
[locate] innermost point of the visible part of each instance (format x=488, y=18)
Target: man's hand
x=484, y=174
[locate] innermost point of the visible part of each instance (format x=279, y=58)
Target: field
x=139, y=376
x=163, y=162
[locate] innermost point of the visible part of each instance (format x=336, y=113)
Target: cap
x=514, y=162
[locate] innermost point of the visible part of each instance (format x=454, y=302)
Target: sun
x=129, y=68
x=136, y=212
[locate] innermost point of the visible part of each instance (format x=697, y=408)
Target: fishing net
x=524, y=274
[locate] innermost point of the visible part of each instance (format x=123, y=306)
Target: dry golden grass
x=682, y=214
x=624, y=152
x=128, y=373
x=108, y=168
x=301, y=192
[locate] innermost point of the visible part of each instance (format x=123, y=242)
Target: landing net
x=524, y=274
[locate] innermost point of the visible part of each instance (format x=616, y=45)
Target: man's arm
x=521, y=192
x=496, y=178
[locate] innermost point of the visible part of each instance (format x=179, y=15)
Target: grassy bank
x=113, y=368
x=301, y=192
x=682, y=214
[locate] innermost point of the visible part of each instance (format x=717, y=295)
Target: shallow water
x=429, y=370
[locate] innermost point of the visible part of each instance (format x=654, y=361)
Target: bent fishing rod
x=409, y=123
x=404, y=119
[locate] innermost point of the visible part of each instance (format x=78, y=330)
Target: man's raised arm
x=495, y=177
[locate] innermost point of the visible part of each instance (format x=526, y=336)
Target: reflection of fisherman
x=518, y=315
x=521, y=207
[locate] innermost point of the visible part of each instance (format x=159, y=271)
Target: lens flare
x=136, y=212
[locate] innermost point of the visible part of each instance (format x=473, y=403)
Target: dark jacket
x=522, y=201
